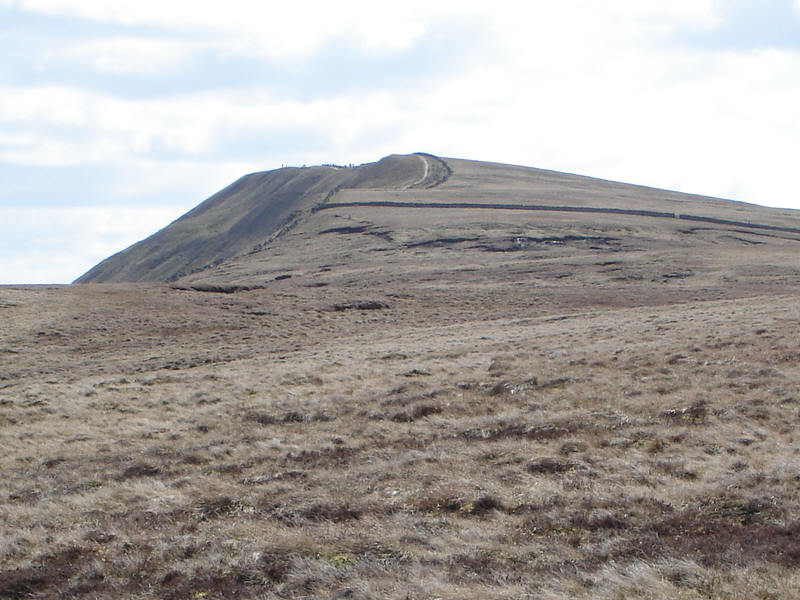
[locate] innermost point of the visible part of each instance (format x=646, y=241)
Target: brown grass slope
x=253, y=212
x=243, y=215
x=499, y=441
x=489, y=224
x=419, y=402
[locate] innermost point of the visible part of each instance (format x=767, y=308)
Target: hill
x=402, y=200
x=250, y=211
x=420, y=378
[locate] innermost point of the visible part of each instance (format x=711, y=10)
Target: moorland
x=421, y=378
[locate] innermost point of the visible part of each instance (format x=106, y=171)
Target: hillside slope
x=247, y=213
x=231, y=228
x=421, y=378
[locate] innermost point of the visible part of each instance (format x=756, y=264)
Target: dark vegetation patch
x=598, y=522
x=263, y=418
x=359, y=305
x=425, y=410
x=486, y=504
x=25, y=495
x=441, y=242
x=191, y=458
x=738, y=539
x=293, y=516
x=419, y=411
x=384, y=235
x=573, y=447
x=724, y=532
x=280, y=476
x=548, y=466
x=99, y=537
x=48, y=575
x=313, y=459
x=139, y=470
x=336, y=513
x=540, y=431
x=478, y=567
x=218, y=288
x=401, y=417
x=675, y=468
x=677, y=275
x=416, y=373
x=453, y=504
x=344, y=230
x=141, y=520
x=365, y=229
x=268, y=571
x=215, y=507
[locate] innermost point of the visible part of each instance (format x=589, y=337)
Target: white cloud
x=52, y=105
x=179, y=184
x=595, y=88
x=126, y=54
x=278, y=29
x=35, y=149
x=598, y=109
x=57, y=245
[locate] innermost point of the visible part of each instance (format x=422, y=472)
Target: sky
x=116, y=117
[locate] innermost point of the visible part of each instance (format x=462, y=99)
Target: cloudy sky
x=116, y=117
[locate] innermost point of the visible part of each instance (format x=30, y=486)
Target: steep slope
x=294, y=221
x=248, y=213
x=563, y=240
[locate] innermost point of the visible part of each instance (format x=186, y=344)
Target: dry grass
x=172, y=444
x=418, y=404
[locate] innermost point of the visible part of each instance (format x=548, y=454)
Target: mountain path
x=427, y=166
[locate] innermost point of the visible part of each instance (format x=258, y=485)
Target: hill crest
x=253, y=213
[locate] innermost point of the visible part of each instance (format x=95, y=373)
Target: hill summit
x=416, y=213
x=252, y=210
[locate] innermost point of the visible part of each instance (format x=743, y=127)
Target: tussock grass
x=641, y=452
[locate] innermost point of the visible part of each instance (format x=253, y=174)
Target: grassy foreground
x=160, y=443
